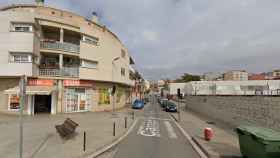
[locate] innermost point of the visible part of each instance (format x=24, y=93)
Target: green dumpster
x=258, y=142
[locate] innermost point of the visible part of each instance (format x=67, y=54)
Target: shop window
x=76, y=99
x=14, y=102
x=22, y=27
x=119, y=95
x=104, y=96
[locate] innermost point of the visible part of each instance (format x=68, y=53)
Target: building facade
x=71, y=63
x=212, y=76
x=236, y=75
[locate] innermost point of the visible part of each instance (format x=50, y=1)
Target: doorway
x=42, y=104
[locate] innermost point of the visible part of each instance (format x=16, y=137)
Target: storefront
x=40, y=97
x=78, y=95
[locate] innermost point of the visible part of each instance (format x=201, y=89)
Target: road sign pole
x=22, y=103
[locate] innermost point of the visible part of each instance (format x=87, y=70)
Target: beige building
x=276, y=73
x=236, y=75
x=71, y=63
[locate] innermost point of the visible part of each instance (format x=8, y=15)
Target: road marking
x=149, y=128
x=171, y=132
x=156, y=118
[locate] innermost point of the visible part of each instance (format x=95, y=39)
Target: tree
x=188, y=77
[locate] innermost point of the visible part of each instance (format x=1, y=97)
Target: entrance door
x=42, y=104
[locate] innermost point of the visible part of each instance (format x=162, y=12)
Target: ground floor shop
x=44, y=96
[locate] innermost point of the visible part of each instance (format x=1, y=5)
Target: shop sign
x=77, y=83
x=40, y=82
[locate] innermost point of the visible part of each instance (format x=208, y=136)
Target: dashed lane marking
x=156, y=118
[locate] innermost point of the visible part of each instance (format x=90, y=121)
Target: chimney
x=40, y=2
x=95, y=17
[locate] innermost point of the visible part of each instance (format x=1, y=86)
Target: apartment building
x=71, y=62
x=236, y=75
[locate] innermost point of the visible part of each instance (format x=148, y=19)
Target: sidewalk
x=41, y=139
x=224, y=143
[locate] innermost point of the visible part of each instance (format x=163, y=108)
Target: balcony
x=64, y=72
x=54, y=45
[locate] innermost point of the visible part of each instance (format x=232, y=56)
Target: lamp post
x=113, y=64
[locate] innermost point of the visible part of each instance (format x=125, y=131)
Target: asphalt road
x=154, y=136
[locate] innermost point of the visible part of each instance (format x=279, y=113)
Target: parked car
x=163, y=102
x=171, y=107
x=138, y=104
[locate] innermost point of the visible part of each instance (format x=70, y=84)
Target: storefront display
x=104, y=96
x=14, y=102
x=77, y=99
x=120, y=93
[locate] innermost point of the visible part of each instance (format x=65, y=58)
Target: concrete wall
x=268, y=87
x=238, y=110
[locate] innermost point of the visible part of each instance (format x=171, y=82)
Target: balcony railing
x=64, y=72
x=54, y=45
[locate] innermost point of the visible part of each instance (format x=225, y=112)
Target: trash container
x=258, y=142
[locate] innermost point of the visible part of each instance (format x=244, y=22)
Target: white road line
x=171, y=132
x=156, y=118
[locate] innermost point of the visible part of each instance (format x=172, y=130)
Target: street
x=155, y=136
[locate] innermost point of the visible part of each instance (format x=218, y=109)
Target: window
x=123, y=53
x=89, y=64
x=77, y=99
x=14, y=102
x=20, y=58
x=90, y=40
x=123, y=71
x=21, y=27
x=104, y=96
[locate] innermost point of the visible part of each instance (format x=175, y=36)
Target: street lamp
x=113, y=64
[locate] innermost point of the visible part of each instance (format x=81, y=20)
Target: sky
x=167, y=38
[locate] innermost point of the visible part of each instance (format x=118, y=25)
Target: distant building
x=257, y=77
x=212, y=76
x=276, y=73
x=236, y=75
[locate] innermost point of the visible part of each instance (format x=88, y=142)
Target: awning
x=31, y=90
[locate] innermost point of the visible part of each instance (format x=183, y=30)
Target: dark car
x=171, y=107
x=138, y=104
x=163, y=102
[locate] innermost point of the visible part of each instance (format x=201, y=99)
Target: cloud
x=170, y=37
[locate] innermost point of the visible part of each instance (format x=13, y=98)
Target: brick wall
x=237, y=110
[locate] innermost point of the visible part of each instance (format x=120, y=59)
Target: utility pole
x=22, y=85
x=179, y=100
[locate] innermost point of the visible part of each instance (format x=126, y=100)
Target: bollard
x=114, y=129
x=85, y=141
x=133, y=115
x=125, y=122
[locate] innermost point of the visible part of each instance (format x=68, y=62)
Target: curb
x=189, y=138
x=116, y=142
x=208, y=151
